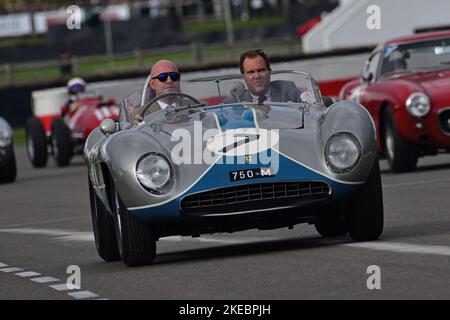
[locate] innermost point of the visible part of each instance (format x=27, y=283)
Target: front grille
x=254, y=197
x=444, y=121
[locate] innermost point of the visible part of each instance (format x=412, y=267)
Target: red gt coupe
x=405, y=86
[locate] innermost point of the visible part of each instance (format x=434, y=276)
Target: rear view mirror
x=327, y=101
x=367, y=76
x=108, y=126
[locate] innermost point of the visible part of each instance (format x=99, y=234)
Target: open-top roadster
x=195, y=168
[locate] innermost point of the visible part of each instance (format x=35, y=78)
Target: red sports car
x=405, y=86
x=63, y=135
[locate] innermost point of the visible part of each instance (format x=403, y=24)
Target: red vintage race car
x=63, y=135
x=404, y=85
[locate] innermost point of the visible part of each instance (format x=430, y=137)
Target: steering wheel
x=166, y=95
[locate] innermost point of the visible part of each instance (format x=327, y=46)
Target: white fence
x=354, y=22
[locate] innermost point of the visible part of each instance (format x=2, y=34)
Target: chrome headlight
x=5, y=139
x=418, y=104
x=154, y=172
x=342, y=152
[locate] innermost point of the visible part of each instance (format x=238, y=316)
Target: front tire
x=402, y=155
x=61, y=142
x=330, y=222
x=103, y=227
x=136, y=241
x=36, y=142
x=364, y=210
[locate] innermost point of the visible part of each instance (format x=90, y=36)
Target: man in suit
x=256, y=72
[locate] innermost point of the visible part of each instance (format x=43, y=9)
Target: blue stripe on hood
x=218, y=177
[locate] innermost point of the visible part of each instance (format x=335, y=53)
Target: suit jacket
x=280, y=91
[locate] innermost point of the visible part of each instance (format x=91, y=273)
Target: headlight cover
x=154, y=172
x=5, y=139
x=418, y=104
x=342, y=152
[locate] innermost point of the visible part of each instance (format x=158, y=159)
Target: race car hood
x=434, y=83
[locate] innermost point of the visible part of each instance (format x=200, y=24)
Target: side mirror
x=327, y=101
x=367, y=76
x=108, y=126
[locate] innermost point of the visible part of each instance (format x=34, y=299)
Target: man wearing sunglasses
x=165, y=78
x=256, y=72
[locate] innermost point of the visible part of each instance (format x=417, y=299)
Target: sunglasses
x=174, y=76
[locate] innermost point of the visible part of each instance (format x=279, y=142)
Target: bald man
x=165, y=78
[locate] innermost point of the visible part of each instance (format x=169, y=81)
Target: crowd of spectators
x=241, y=9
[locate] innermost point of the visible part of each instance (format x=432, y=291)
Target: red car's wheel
x=61, y=142
x=401, y=154
x=36, y=142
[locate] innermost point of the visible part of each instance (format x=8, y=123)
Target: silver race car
x=8, y=170
x=210, y=162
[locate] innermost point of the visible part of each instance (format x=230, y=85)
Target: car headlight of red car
x=418, y=104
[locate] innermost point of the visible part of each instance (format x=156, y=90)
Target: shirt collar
x=255, y=97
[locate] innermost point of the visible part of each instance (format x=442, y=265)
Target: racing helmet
x=76, y=85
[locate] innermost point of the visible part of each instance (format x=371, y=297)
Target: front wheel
x=135, y=239
x=364, y=210
x=330, y=222
x=401, y=154
x=104, y=230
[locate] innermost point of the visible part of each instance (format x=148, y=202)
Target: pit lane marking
x=11, y=269
x=83, y=295
x=28, y=274
x=75, y=292
x=44, y=279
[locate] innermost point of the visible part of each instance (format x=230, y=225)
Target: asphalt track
x=45, y=228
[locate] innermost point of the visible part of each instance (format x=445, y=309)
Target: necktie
x=261, y=99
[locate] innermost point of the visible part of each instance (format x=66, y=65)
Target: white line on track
x=44, y=279
x=63, y=235
x=416, y=183
x=83, y=295
x=12, y=269
x=2, y=265
x=67, y=235
x=38, y=222
x=28, y=274
x=62, y=287
x=401, y=247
